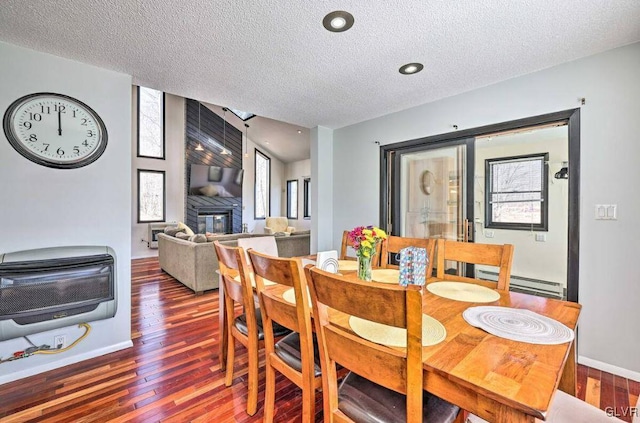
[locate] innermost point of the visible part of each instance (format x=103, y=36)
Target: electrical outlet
x=59, y=341
x=489, y=234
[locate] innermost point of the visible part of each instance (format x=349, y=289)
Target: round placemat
x=290, y=296
x=460, y=291
x=347, y=265
x=267, y=282
x=518, y=325
x=385, y=275
x=433, y=332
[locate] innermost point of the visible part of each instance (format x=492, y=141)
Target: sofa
x=195, y=264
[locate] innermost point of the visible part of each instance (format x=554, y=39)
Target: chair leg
x=228, y=380
x=269, y=393
x=308, y=404
x=252, y=399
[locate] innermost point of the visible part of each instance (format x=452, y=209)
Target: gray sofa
x=195, y=264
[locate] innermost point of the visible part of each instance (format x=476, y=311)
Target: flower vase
x=364, y=268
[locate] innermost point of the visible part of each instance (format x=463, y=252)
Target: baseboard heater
x=51, y=288
x=528, y=285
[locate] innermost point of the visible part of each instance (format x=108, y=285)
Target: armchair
x=273, y=225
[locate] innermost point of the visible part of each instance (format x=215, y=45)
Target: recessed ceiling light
x=266, y=142
x=299, y=131
x=411, y=68
x=338, y=21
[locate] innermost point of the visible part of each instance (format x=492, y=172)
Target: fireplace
x=215, y=220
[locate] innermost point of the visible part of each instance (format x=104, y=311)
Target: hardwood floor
x=172, y=373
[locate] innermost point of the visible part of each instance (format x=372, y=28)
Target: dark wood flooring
x=172, y=373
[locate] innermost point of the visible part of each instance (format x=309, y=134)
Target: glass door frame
x=571, y=116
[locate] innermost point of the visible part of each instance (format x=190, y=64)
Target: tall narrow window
x=307, y=198
x=516, y=192
x=262, y=189
x=150, y=123
x=151, y=196
x=292, y=199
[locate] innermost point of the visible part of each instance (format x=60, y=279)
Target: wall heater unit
x=528, y=285
x=51, y=288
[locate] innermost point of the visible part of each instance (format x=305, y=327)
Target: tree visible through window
x=150, y=123
x=292, y=199
x=151, y=196
x=516, y=192
x=262, y=185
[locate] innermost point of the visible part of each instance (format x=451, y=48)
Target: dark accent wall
x=208, y=130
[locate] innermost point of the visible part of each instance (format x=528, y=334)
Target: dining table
x=497, y=379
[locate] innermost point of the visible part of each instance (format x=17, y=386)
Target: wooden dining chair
x=500, y=256
x=385, y=383
x=247, y=328
x=293, y=356
x=393, y=244
x=344, y=249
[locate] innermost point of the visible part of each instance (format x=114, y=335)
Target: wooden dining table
x=494, y=378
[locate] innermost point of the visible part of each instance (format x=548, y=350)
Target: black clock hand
x=59, y=123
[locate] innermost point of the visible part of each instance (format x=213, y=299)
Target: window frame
x=307, y=199
x=255, y=184
x=290, y=183
x=164, y=120
x=164, y=195
x=543, y=226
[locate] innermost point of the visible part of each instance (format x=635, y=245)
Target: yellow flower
x=366, y=253
x=366, y=243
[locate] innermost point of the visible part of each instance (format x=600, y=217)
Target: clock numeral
x=59, y=108
x=33, y=138
x=46, y=146
x=85, y=143
x=27, y=125
x=60, y=152
x=74, y=113
x=84, y=122
x=45, y=109
x=90, y=133
x=76, y=149
x=35, y=116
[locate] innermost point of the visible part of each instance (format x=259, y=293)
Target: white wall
x=609, y=129
x=43, y=207
x=278, y=184
x=173, y=166
x=297, y=171
x=529, y=253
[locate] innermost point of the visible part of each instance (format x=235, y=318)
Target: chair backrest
x=262, y=244
x=393, y=368
x=344, y=247
x=232, y=263
x=393, y=244
x=297, y=317
x=500, y=256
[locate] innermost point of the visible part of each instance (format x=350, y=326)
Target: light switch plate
x=541, y=237
x=606, y=212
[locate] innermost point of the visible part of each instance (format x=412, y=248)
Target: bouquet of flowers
x=364, y=240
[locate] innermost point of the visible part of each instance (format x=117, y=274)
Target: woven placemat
x=290, y=296
x=518, y=325
x=385, y=275
x=460, y=291
x=267, y=282
x=433, y=332
x=347, y=265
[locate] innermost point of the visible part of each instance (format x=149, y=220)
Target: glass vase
x=364, y=268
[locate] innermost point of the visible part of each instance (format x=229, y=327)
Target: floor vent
x=528, y=285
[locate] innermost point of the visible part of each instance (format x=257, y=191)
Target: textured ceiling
x=274, y=58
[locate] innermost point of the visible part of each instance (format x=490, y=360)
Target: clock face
x=55, y=130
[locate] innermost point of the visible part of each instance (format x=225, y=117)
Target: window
x=292, y=199
x=307, y=198
x=516, y=192
x=151, y=196
x=262, y=188
x=150, y=123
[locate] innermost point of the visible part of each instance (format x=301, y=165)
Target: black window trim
x=289, y=197
x=307, y=195
x=543, y=226
x=164, y=126
x=255, y=180
x=164, y=195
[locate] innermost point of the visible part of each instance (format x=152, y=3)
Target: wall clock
x=55, y=130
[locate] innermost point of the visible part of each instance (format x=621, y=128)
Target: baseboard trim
x=64, y=362
x=610, y=368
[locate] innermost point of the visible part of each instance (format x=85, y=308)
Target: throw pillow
x=182, y=235
x=209, y=190
x=185, y=229
x=199, y=238
x=172, y=230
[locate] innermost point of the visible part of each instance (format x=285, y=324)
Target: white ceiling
x=274, y=58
